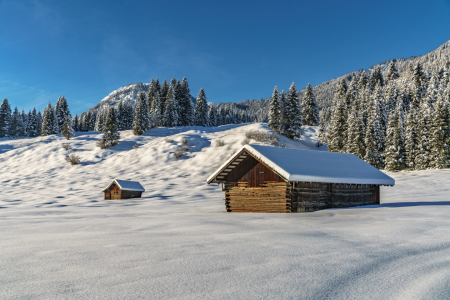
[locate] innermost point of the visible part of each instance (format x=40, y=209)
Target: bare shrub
x=220, y=143
x=73, y=159
x=263, y=136
x=178, y=154
x=184, y=148
x=135, y=146
x=66, y=146
x=184, y=141
x=245, y=141
x=100, y=144
x=167, y=140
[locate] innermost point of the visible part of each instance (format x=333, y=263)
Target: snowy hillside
x=60, y=239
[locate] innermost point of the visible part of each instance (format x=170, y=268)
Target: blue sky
x=235, y=50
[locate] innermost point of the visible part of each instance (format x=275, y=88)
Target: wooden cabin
x=123, y=189
x=269, y=179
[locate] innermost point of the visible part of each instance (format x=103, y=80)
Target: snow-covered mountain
x=324, y=92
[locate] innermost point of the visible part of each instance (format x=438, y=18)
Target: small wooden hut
x=269, y=179
x=123, y=189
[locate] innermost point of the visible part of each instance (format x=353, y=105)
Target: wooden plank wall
x=252, y=172
x=271, y=197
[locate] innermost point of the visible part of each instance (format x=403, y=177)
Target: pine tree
x=321, y=135
x=274, y=111
x=293, y=113
x=75, y=123
x=170, y=117
x=14, y=126
x=62, y=111
x=163, y=95
x=184, y=104
x=439, y=138
x=376, y=78
x=337, y=131
x=363, y=81
x=423, y=149
x=67, y=129
x=141, y=122
x=201, y=109
x=309, y=107
x=212, y=116
x=23, y=125
x=5, y=118
x=151, y=97
x=110, y=134
x=392, y=73
x=155, y=115
x=47, y=121
x=99, y=120
x=394, y=153
x=355, y=142
x=373, y=139
x=410, y=139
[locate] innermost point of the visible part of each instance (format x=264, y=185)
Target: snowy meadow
x=60, y=239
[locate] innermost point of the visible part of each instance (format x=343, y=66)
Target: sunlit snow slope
x=61, y=240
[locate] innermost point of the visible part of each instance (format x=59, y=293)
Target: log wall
x=272, y=196
x=253, y=172
x=312, y=196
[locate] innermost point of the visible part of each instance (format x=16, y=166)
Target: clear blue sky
x=235, y=50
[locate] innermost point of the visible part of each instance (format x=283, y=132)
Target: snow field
x=60, y=239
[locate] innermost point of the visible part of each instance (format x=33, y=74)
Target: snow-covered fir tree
x=155, y=110
x=337, y=130
x=67, y=128
x=75, y=123
x=355, y=143
x=170, y=117
x=274, y=111
x=410, y=138
x=5, y=118
x=185, y=117
x=439, y=135
x=141, y=122
x=33, y=129
x=321, y=132
x=293, y=114
x=212, y=116
x=111, y=135
x=395, y=152
x=62, y=111
x=392, y=73
x=13, y=130
x=49, y=123
x=309, y=107
x=423, y=148
x=373, y=138
x=201, y=109
x=163, y=95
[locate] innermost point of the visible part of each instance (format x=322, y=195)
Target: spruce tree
x=376, y=78
x=5, y=118
x=67, y=129
x=392, y=73
x=373, y=138
x=14, y=126
x=423, y=149
x=33, y=129
x=75, y=123
x=163, y=95
x=61, y=111
x=321, y=133
x=274, y=112
x=394, y=153
x=141, y=122
x=201, y=109
x=151, y=96
x=170, y=117
x=184, y=104
x=155, y=115
x=309, y=107
x=212, y=116
x=293, y=114
x=363, y=81
x=110, y=134
x=47, y=121
x=337, y=131
x=439, y=138
x=355, y=142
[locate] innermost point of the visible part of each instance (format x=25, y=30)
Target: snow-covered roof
x=307, y=165
x=126, y=185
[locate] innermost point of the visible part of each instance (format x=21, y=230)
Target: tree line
x=391, y=122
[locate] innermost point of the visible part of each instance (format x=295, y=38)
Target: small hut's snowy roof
x=311, y=166
x=126, y=185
